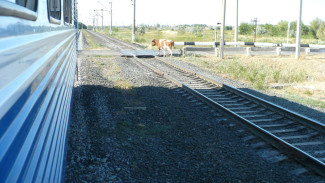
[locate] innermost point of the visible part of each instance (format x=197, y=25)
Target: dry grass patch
x=92, y=45
x=111, y=71
x=302, y=79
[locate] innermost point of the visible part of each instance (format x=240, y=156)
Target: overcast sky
x=173, y=12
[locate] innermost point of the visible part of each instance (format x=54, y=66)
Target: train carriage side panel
x=38, y=58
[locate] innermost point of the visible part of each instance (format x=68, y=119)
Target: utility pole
x=133, y=26
x=102, y=19
x=222, y=41
x=93, y=22
x=101, y=15
x=288, y=32
x=97, y=21
x=236, y=25
x=216, y=33
x=255, y=21
x=106, y=9
x=111, y=31
x=96, y=11
x=298, y=30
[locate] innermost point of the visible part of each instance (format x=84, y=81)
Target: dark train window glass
x=67, y=11
x=30, y=4
x=55, y=9
x=25, y=9
x=21, y=2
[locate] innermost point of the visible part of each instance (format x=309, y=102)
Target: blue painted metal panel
x=35, y=95
x=37, y=66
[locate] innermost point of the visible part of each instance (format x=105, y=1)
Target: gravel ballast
x=317, y=114
x=130, y=125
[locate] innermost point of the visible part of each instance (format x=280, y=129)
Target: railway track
x=297, y=136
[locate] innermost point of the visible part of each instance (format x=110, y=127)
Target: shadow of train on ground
x=154, y=134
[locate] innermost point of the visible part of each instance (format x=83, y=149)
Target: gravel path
x=129, y=125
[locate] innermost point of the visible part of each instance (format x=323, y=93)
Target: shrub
x=260, y=30
x=283, y=27
x=271, y=29
x=193, y=29
x=139, y=40
x=181, y=31
x=198, y=35
x=292, y=33
x=141, y=30
x=245, y=28
x=314, y=26
x=321, y=32
x=276, y=76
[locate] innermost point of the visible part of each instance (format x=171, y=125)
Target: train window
x=25, y=9
x=30, y=4
x=54, y=11
x=67, y=11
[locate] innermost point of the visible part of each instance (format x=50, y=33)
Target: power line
x=101, y=15
x=110, y=12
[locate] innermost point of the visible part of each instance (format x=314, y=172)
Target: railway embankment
x=130, y=125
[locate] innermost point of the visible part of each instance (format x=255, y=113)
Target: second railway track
x=297, y=136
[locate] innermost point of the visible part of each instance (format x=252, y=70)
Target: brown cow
x=164, y=44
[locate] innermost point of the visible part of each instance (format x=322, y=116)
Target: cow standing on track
x=164, y=44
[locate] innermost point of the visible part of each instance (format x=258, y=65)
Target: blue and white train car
x=38, y=57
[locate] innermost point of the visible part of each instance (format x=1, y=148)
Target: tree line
x=315, y=30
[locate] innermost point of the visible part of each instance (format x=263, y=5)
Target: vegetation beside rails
x=258, y=71
x=306, y=97
x=311, y=34
x=205, y=35
x=91, y=42
x=297, y=80
x=261, y=72
x=103, y=62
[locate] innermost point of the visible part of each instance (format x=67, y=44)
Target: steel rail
x=299, y=155
x=288, y=113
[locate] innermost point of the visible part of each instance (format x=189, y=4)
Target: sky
x=174, y=12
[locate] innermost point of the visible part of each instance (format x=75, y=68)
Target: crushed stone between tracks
x=129, y=125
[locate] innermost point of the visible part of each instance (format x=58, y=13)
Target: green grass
x=259, y=71
x=125, y=34
x=256, y=73
x=91, y=42
x=304, y=100
x=112, y=74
